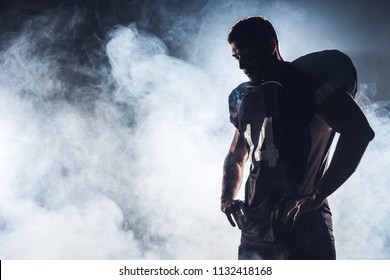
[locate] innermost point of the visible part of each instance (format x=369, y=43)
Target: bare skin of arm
x=233, y=170
x=343, y=115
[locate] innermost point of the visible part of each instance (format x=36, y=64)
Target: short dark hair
x=255, y=30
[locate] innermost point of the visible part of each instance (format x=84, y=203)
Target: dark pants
x=311, y=238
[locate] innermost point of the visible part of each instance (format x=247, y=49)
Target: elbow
x=234, y=160
x=370, y=134
x=366, y=134
x=361, y=132
x=357, y=137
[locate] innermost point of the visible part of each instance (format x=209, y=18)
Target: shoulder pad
x=235, y=98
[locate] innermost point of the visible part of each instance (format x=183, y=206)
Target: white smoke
x=80, y=183
x=91, y=171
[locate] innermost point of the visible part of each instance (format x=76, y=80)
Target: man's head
x=254, y=44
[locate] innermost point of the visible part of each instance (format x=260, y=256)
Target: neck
x=271, y=73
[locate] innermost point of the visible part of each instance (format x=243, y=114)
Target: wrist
x=225, y=203
x=318, y=197
x=227, y=198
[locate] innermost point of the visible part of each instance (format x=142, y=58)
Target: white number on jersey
x=266, y=133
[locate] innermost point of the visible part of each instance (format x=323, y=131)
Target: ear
x=274, y=49
x=273, y=45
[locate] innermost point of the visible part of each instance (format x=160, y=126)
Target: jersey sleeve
x=235, y=99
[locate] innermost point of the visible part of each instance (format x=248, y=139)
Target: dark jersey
x=288, y=141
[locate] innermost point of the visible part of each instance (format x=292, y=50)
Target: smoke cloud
x=114, y=126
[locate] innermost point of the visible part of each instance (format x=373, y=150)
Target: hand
x=234, y=212
x=302, y=206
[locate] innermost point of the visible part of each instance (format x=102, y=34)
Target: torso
x=287, y=140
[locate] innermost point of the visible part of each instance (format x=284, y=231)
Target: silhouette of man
x=285, y=119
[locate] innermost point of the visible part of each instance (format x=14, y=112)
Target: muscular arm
x=233, y=170
x=342, y=113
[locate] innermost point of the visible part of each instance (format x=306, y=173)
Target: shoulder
x=243, y=89
x=326, y=58
x=324, y=65
x=237, y=94
x=247, y=88
x=328, y=71
x=240, y=91
x=235, y=98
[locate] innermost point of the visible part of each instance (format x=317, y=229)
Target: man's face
x=254, y=63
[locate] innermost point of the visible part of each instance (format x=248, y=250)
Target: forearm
x=348, y=153
x=232, y=179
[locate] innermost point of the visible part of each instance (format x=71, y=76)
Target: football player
x=285, y=119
